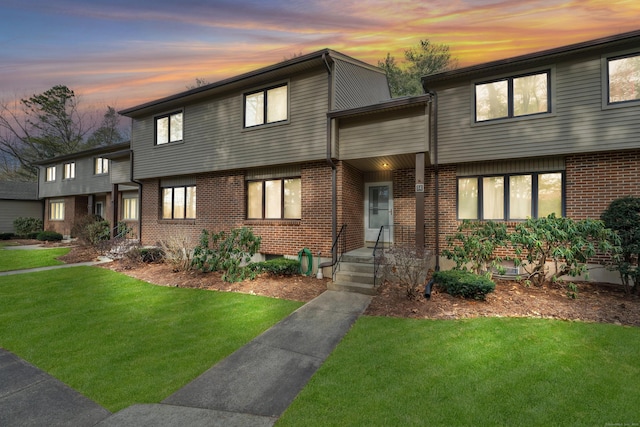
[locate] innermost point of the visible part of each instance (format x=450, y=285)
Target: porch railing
x=378, y=256
x=338, y=249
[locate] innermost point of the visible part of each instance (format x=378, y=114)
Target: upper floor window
x=100, y=166
x=510, y=197
x=69, y=171
x=50, y=174
x=266, y=106
x=169, y=128
x=274, y=199
x=624, y=78
x=513, y=97
x=179, y=202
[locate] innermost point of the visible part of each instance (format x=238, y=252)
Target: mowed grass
x=121, y=341
x=480, y=372
x=21, y=259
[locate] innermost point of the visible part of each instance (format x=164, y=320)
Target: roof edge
x=97, y=150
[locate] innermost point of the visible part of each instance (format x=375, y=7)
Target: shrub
x=409, y=268
x=474, y=245
x=49, y=236
x=464, y=283
x=178, y=251
x=91, y=229
x=623, y=216
x=226, y=252
x=277, y=267
x=27, y=226
x=150, y=255
x=6, y=236
x=565, y=242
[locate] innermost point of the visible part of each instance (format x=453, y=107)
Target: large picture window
x=100, y=166
x=274, y=199
x=179, y=202
x=56, y=210
x=624, y=78
x=169, y=128
x=513, y=97
x=511, y=197
x=266, y=106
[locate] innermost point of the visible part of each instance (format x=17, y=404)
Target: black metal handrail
x=338, y=249
x=377, y=261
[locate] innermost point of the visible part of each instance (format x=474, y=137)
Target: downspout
x=433, y=117
x=139, y=184
x=334, y=191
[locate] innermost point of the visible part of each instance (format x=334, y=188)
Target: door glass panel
x=378, y=206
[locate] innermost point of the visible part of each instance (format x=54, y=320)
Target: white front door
x=378, y=210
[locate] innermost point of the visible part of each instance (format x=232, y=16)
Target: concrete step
x=356, y=267
x=361, y=288
x=359, y=258
x=354, y=277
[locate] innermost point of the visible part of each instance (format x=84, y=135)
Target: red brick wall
x=221, y=205
x=351, y=204
x=595, y=180
x=74, y=208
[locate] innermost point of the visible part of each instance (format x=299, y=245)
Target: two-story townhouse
x=556, y=131
x=95, y=181
x=295, y=151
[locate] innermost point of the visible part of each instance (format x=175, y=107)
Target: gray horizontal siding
x=214, y=138
x=578, y=122
x=120, y=171
x=85, y=181
x=356, y=86
x=511, y=166
x=396, y=132
x=12, y=209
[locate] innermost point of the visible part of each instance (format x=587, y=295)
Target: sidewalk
x=251, y=387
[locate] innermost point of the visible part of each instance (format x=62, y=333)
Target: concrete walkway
x=251, y=387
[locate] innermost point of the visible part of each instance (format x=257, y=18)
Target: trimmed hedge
x=277, y=267
x=6, y=236
x=464, y=284
x=49, y=236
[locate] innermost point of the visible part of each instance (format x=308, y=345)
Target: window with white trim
x=511, y=197
x=266, y=106
x=69, y=170
x=169, y=128
x=623, y=77
x=179, y=202
x=130, y=208
x=56, y=210
x=50, y=175
x=513, y=97
x=274, y=199
x=100, y=166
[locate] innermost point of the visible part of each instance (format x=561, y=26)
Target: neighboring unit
x=18, y=200
x=92, y=182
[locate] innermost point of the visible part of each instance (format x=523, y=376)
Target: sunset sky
x=126, y=52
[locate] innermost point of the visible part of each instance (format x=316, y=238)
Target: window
x=56, y=210
x=50, y=174
x=274, y=199
x=266, y=106
x=513, y=97
x=130, y=208
x=169, y=128
x=69, y=171
x=99, y=209
x=179, y=202
x=624, y=78
x=101, y=166
x=511, y=197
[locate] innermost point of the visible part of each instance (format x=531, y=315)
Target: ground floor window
x=274, y=199
x=56, y=210
x=179, y=202
x=511, y=197
x=130, y=208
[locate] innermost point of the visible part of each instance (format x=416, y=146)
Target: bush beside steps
x=464, y=284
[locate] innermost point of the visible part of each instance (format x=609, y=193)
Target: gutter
x=334, y=191
x=139, y=184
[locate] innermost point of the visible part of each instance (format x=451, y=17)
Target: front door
x=378, y=210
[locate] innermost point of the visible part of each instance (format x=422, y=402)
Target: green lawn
x=20, y=259
x=480, y=372
x=122, y=341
